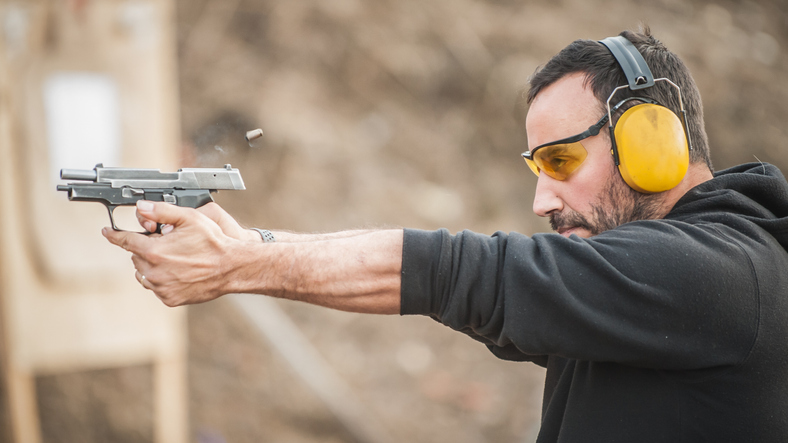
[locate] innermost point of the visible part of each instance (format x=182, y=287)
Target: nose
x=546, y=198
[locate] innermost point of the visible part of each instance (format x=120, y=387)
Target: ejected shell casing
x=253, y=135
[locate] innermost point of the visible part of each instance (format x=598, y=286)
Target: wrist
x=240, y=266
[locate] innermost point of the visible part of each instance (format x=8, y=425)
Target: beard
x=620, y=204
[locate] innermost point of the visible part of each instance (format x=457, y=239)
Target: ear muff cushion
x=652, y=148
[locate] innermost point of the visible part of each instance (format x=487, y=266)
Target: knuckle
x=166, y=295
x=169, y=301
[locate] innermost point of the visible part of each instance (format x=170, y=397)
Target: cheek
x=590, y=182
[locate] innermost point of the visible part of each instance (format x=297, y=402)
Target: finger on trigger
x=146, y=223
x=164, y=213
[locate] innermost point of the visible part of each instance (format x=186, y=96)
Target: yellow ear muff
x=652, y=148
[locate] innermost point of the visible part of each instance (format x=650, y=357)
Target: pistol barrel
x=79, y=174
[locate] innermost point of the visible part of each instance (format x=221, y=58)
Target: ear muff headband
x=650, y=143
x=631, y=61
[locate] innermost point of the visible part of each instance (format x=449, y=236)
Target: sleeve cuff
x=421, y=259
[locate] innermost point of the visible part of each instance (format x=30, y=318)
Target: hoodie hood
x=757, y=192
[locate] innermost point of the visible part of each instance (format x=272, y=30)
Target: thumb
x=226, y=222
x=163, y=213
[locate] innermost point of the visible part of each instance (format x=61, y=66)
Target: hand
x=190, y=264
x=226, y=222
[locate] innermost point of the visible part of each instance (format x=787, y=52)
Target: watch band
x=268, y=236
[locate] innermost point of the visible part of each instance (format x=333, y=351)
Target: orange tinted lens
x=532, y=165
x=558, y=161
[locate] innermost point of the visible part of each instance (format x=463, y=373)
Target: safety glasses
x=561, y=158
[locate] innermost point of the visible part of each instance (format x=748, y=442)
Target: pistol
x=113, y=187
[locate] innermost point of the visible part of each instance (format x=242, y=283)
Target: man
x=660, y=316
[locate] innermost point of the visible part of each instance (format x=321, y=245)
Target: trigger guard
x=111, y=210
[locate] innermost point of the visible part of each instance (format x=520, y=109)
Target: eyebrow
x=590, y=132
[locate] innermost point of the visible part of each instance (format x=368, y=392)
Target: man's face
x=594, y=198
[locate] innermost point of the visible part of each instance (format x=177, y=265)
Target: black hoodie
x=672, y=330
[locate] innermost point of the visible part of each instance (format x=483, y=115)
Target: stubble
x=620, y=204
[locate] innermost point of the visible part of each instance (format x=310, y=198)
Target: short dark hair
x=604, y=74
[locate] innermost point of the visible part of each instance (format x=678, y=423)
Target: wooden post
x=82, y=83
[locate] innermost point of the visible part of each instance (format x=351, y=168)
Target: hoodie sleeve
x=654, y=294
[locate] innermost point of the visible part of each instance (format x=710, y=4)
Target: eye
x=558, y=162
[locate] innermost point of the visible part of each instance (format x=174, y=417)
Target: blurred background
x=385, y=113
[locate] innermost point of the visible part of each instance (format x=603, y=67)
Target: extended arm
x=206, y=255
x=648, y=294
